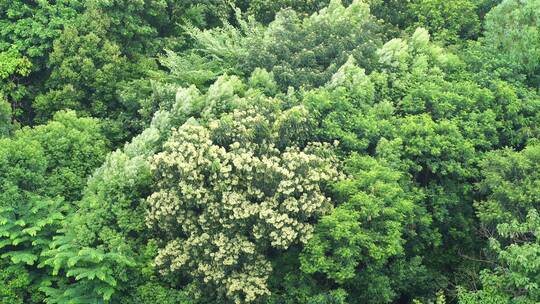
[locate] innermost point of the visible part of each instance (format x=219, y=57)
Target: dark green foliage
x=104, y=239
x=366, y=228
x=86, y=55
x=13, y=68
x=87, y=72
x=26, y=211
x=265, y=10
x=299, y=52
x=27, y=31
x=509, y=217
x=5, y=118
x=17, y=286
x=36, y=179
x=310, y=51
x=31, y=26
x=79, y=138
x=421, y=117
x=448, y=21
x=512, y=32
x=154, y=293
x=367, y=233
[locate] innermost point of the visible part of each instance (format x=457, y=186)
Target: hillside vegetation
x=269, y=151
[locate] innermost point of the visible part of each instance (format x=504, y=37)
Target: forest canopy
x=269, y=151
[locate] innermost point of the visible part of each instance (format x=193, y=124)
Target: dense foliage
x=272, y=152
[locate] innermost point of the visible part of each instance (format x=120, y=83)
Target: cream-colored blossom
x=225, y=194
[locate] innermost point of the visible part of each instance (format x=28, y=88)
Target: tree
x=80, y=138
x=35, y=181
x=512, y=34
x=365, y=232
x=448, y=21
x=5, y=118
x=509, y=217
x=13, y=67
x=28, y=30
x=236, y=188
x=87, y=71
x=299, y=52
x=285, y=154
x=100, y=54
x=426, y=118
x=31, y=27
x=28, y=218
x=265, y=11
x=114, y=229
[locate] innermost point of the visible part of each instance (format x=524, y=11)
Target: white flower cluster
x=226, y=195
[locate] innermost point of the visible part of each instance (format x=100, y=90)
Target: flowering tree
x=230, y=192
